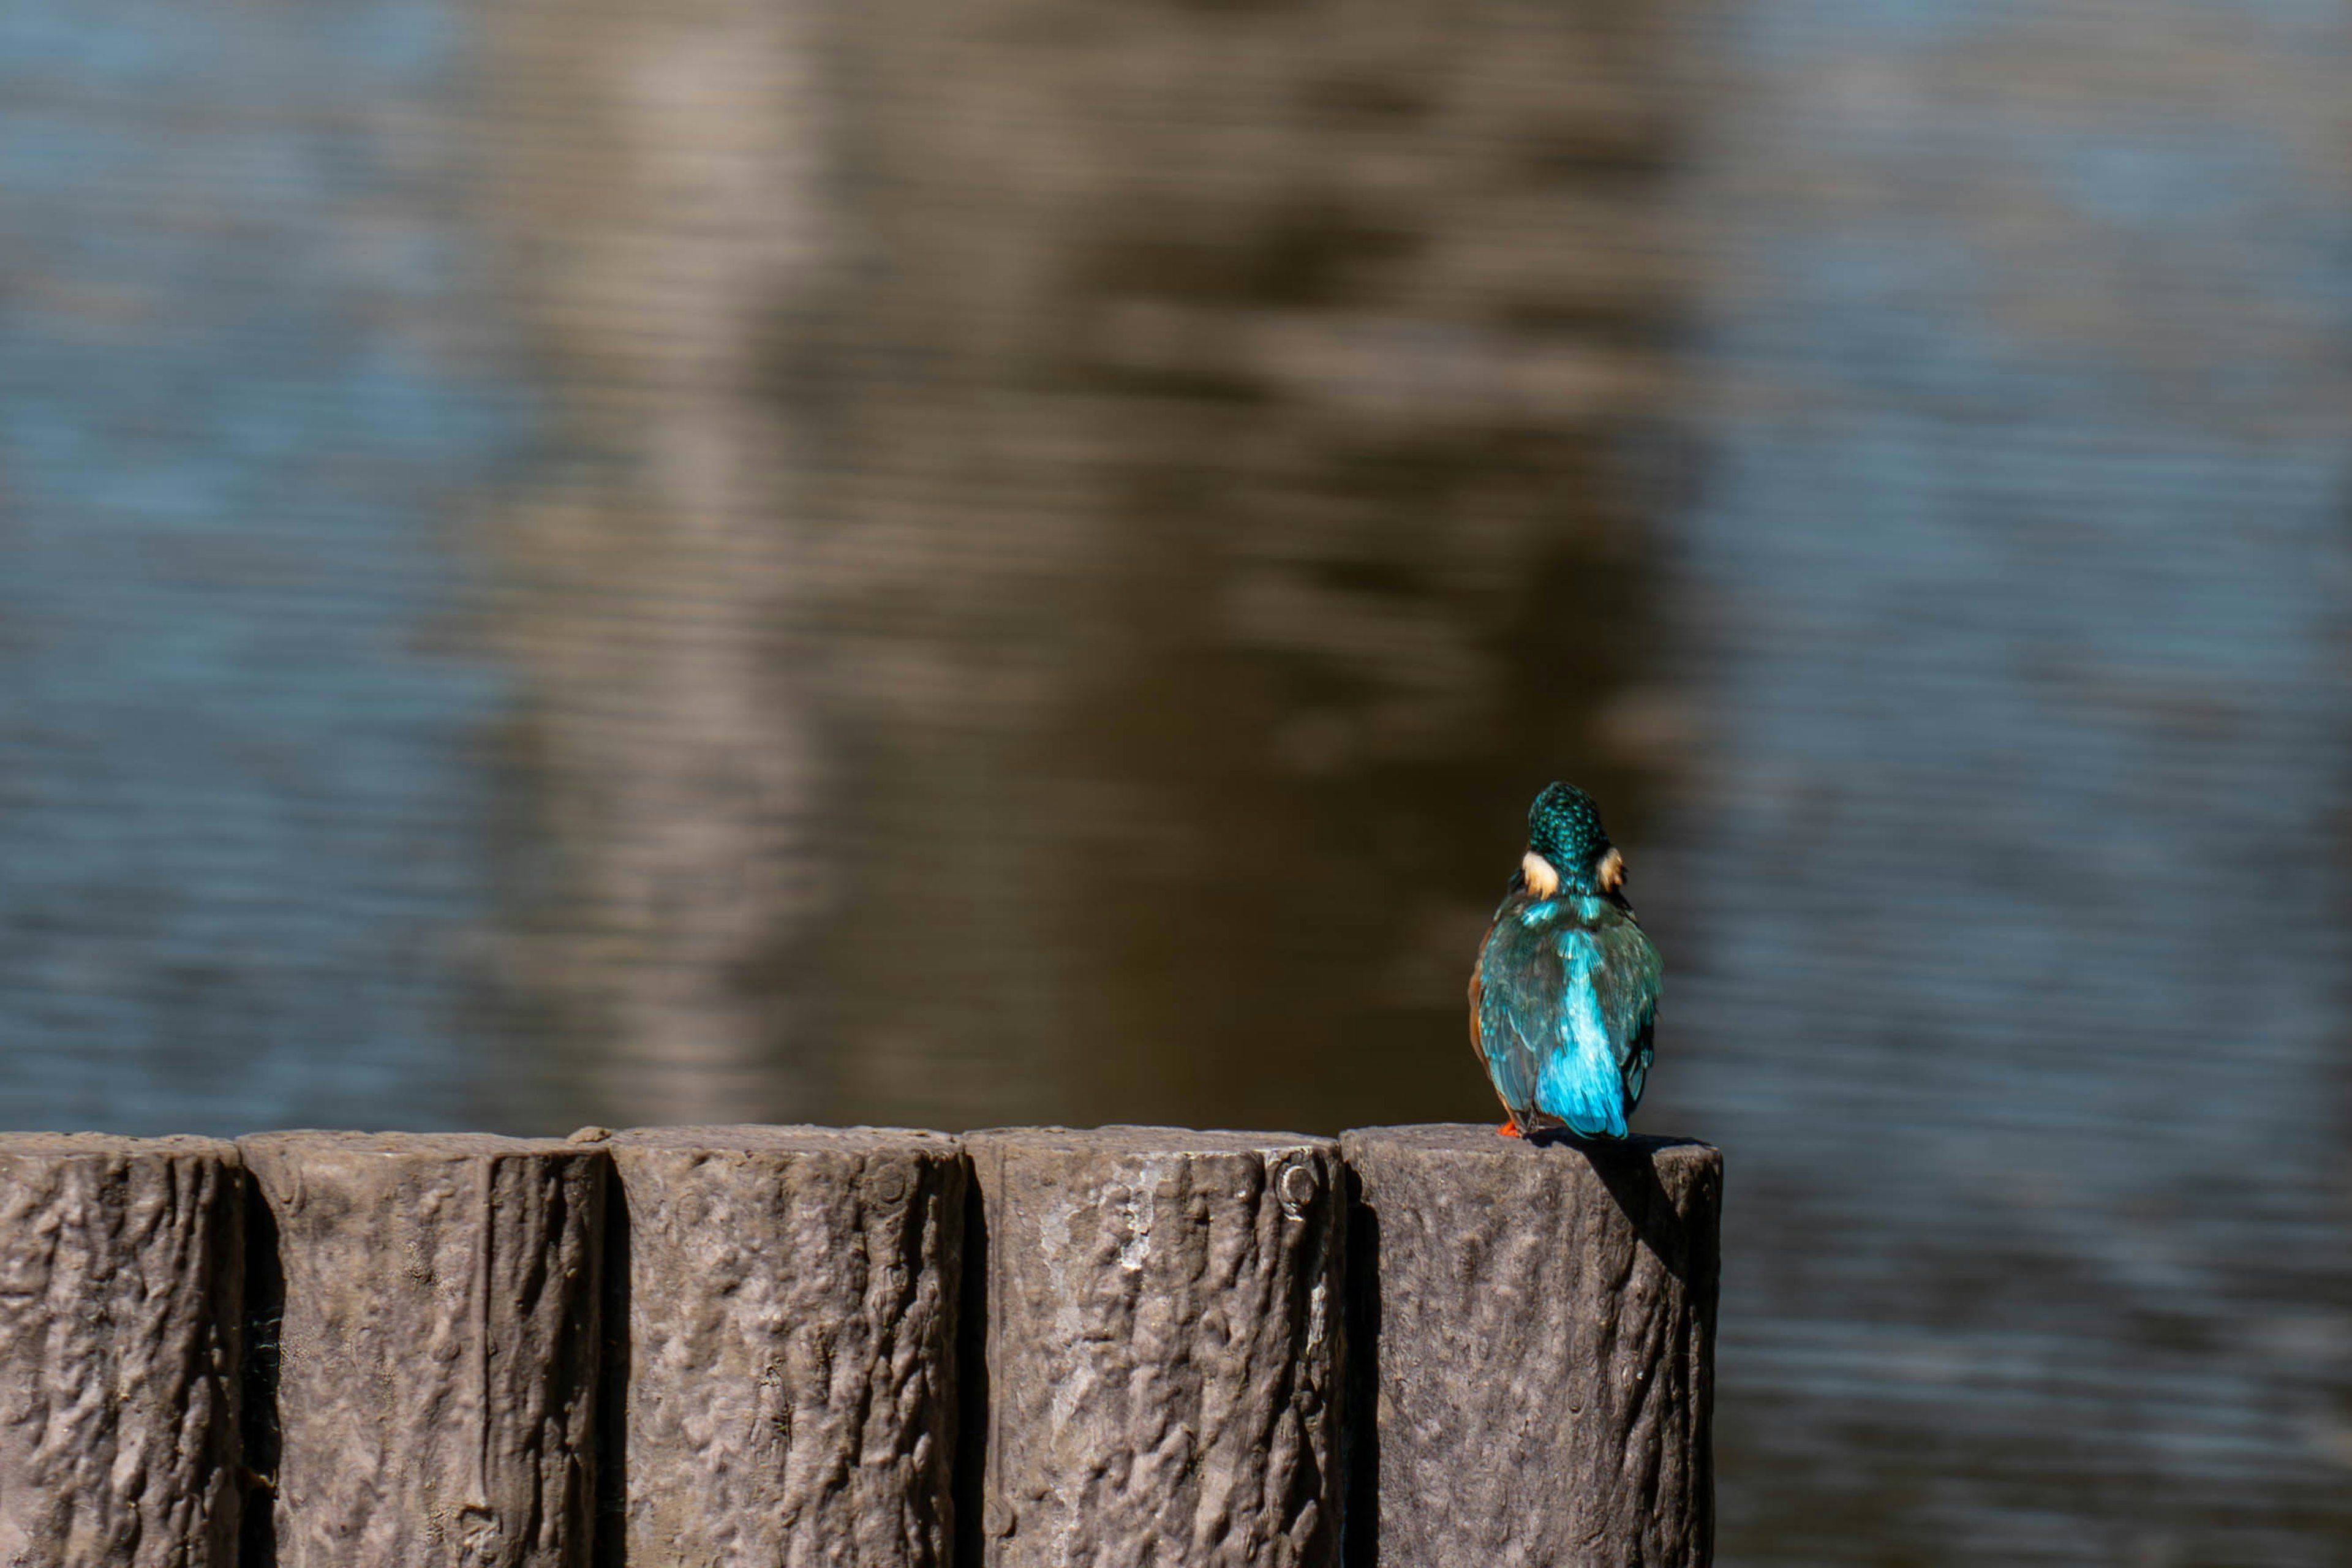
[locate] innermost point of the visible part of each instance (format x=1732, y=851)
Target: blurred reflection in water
x=2015, y=871
x=245, y=401
x=1022, y=559
x=1234, y=510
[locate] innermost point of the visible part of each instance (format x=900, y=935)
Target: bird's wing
x=1626, y=978
x=1514, y=998
x=1564, y=1007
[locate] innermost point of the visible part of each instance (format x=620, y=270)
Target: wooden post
x=1163, y=1348
x=121, y=1285
x=784, y=1305
x=1535, y=1328
x=437, y=1366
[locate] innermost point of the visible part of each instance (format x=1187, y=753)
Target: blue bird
x=1564, y=999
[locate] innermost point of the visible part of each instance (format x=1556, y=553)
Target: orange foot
x=1510, y=1129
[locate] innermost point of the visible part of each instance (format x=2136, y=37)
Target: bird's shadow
x=1628, y=1170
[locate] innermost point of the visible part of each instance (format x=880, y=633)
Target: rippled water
x=2015, y=871
x=1893, y=453
x=241, y=819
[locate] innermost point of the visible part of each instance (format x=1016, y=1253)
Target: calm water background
x=1021, y=560
x=2015, y=871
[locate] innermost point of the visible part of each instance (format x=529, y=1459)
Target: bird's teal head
x=1567, y=846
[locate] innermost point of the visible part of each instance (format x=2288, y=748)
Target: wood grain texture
x=121, y=1282
x=1536, y=1342
x=438, y=1358
x=787, y=1382
x=1164, y=1347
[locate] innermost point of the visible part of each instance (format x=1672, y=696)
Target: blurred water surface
x=1018, y=561
x=243, y=824
x=2014, y=869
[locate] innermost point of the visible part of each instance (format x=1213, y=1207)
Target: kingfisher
x=1564, y=998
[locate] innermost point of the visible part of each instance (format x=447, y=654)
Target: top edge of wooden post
x=53, y=1145
x=1145, y=1141
x=757, y=1138
x=1479, y=1138
x=419, y=1145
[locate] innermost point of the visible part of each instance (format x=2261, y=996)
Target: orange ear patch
x=1542, y=881
x=1610, y=873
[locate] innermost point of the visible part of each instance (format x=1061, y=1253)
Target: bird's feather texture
x=1563, y=1009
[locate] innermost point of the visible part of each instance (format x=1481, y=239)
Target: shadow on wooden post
x=265, y=1326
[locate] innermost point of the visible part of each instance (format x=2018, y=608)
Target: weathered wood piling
x=1164, y=1347
x=121, y=1292
x=436, y=1367
x=1537, y=1350
x=787, y=1381
x=1416, y=1347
